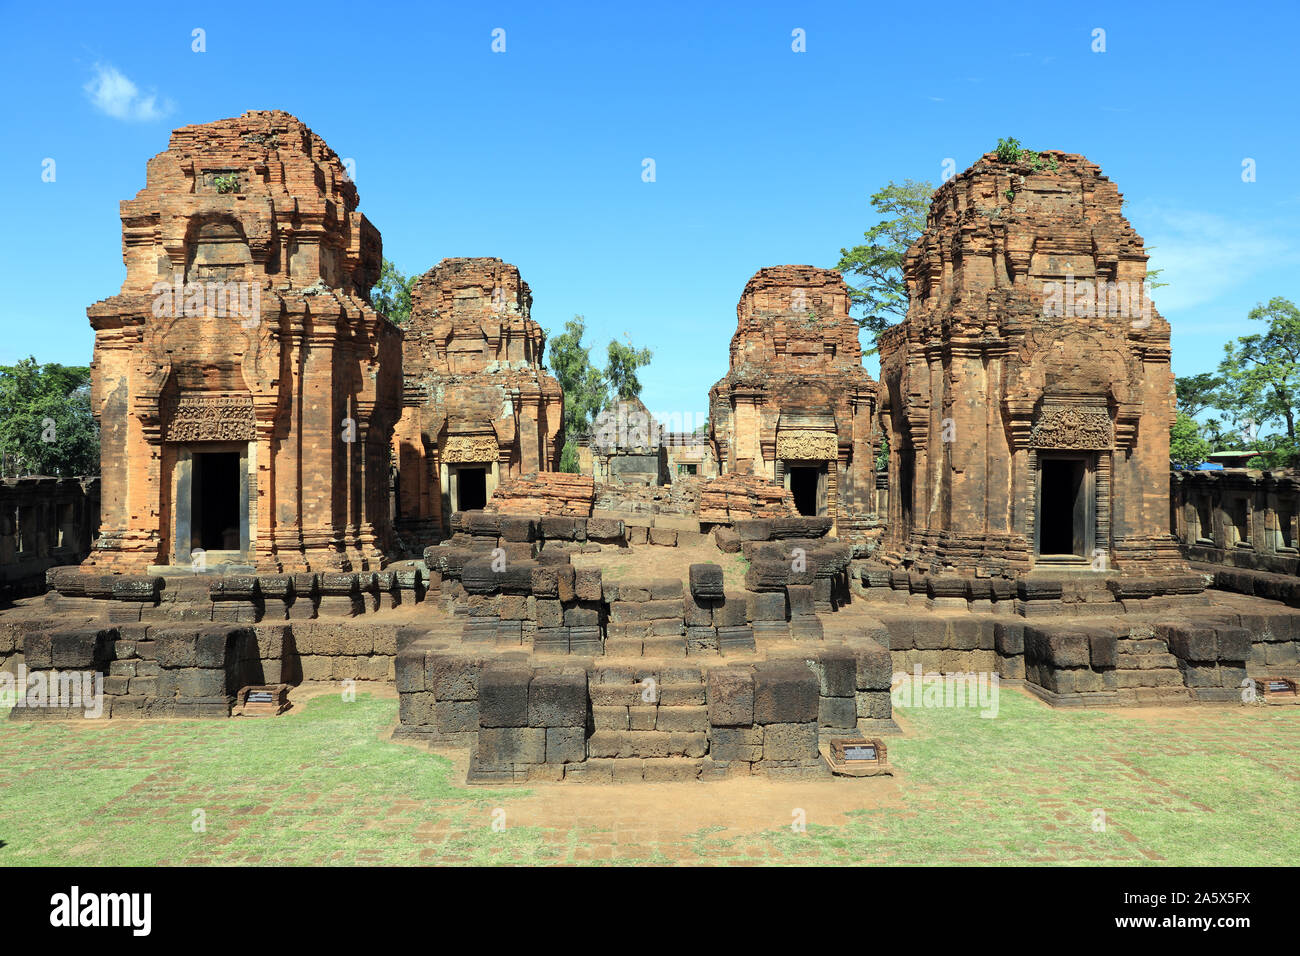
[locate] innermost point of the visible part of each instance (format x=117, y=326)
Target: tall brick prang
x=479, y=404
x=245, y=388
x=796, y=406
x=1027, y=397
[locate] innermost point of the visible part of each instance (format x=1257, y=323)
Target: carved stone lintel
x=806, y=445
x=470, y=448
x=204, y=418
x=1073, y=428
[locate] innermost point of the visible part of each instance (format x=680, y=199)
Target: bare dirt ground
x=657, y=561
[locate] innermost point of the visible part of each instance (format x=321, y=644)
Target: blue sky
x=763, y=155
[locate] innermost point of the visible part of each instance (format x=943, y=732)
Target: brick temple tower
x=796, y=405
x=479, y=404
x=1027, y=397
x=245, y=388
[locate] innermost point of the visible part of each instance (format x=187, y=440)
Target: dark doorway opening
x=803, y=485
x=215, y=515
x=1062, y=510
x=471, y=489
x=906, y=479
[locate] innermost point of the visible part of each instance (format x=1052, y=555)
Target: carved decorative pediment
x=211, y=418
x=1074, y=427
x=470, y=448
x=804, y=445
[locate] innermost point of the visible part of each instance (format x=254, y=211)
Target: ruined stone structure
x=733, y=497
x=690, y=454
x=627, y=447
x=1238, y=518
x=796, y=405
x=479, y=405
x=1026, y=400
x=44, y=522
x=545, y=493
x=1027, y=397
x=245, y=388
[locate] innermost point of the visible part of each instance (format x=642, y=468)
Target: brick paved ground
x=323, y=785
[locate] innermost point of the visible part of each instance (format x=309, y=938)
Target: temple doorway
x=1065, y=514
x=807, y=483
x=214, y=501
x=471, y=489
x=906, y=479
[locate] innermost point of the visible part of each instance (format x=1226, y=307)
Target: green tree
x=584, y=387
x=1219, y=435
x=46, y=425
x=1275, y=451
x=882, y=449
x=1198, y=392
x=1186, y=446
x=588, y=391
x=391, y=296
x=874, y=269
x=1261, y=372
x=620, y=371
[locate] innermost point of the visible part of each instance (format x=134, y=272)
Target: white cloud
x=114, y=94
x=1204, y=256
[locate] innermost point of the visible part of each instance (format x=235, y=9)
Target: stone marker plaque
x=262, y=701
x=857, y=756
x=1278, y=690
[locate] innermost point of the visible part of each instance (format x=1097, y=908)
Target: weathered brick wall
x=476, y=390
x=1019, y=344
x=44, y=522
x=796, y=393
x=658, y=722
x=1238, y=518
x=545, y=493
x=175, y=671
x=1169, y=656
x=180, y=669
x=241, y=598
x=734, y=497
x=602, y=715
x=513, y=576
x=248, y=271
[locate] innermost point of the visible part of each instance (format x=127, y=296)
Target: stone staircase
x=648, y=723
x=1145, y=671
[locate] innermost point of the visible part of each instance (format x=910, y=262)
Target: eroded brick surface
x=479, y=405
x=1029, y=336
x=248, y=266
x=796, y=394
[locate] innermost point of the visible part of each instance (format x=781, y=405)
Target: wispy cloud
x=114, y=94
x=1204, y=256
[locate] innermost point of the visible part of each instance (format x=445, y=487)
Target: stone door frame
x=183, y=503
x=450, y=489
x=826, y=479
x=1092, y=486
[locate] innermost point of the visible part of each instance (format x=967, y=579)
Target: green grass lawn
x=325, y=786
x=1207, y=786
